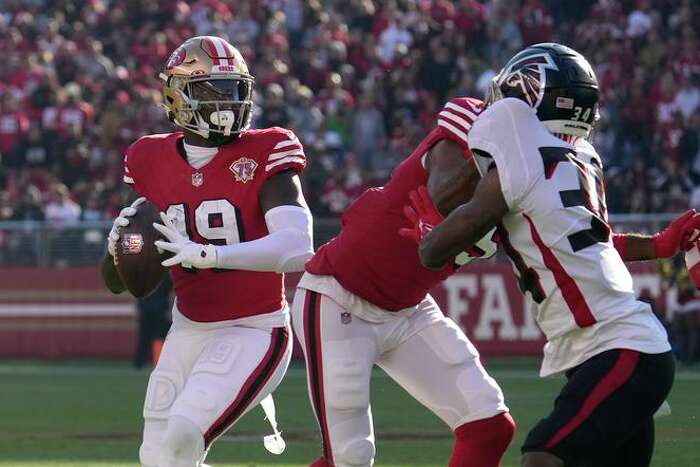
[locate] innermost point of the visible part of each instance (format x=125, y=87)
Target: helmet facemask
x=216, y=108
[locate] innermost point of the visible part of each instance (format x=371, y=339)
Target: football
x=138, y=260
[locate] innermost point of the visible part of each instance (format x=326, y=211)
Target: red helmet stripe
x=230, y=50
x=212, y=50
x=223, y=51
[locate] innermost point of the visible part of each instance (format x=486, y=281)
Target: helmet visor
x=221, y=90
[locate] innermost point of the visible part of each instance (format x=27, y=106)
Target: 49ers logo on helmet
x=176, y=58
x=530, y=75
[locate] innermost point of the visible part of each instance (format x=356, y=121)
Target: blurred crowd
x=360, y=82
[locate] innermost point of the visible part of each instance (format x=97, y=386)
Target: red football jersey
x=368, y=257
x=217, y=204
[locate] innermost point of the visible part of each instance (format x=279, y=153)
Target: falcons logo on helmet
x=530, y=75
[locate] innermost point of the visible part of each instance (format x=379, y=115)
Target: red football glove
x=679, y=235
x=422, y=213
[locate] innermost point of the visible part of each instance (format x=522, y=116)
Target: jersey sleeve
x=131, y=168
x=285, y=153
x=503, y=137
x=456, y=118
x=128, y=177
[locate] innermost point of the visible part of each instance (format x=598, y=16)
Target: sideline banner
x=61, y=313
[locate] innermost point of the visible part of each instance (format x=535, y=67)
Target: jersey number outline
x=594, y=203
x=216, y=220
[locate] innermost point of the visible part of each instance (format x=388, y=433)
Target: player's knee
x=148, y=454
x=496, y=432
x=153, y=432
x=449, y=343
x=183, y=445
x=479, y=391
x=356, y=453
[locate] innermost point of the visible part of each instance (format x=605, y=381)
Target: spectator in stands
x=686, y=305
x=368, y=130
x=61, y=209
x=14, y=123
x=30, y=206
x=84, y=75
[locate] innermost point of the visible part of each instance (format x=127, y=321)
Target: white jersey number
x=592, y=200
x=217, y=221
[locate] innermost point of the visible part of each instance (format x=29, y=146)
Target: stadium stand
x=358, y=80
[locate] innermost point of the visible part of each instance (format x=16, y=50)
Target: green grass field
x=88, y=414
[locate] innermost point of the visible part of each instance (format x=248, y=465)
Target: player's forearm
x=283, y=251
x=634, y=247
x=288, y=246
x=466, y=225
x=451, y=179
x=457, y=233
x=110, y=276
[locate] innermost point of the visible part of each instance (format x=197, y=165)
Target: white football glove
x=122, y=220
x=187, y=252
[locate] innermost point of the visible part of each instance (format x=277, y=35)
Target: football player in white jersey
x=542, y=188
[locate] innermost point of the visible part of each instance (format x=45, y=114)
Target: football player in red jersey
x=364, y=301
x=235, y=219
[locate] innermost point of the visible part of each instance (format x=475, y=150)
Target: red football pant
x=482, y=443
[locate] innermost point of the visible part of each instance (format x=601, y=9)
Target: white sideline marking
x=78, y=310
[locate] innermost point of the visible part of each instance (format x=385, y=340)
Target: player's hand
x=678, y=236
x=422, y=214
x=186, y=252
x=122, y=220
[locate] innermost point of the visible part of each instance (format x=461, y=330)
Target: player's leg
x=637, y=451
x=340, y=351
x=178, y=355
x=238, y=367
x=441, y=369
x=606, y=401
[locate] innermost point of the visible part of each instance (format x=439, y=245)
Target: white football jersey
x=558, y=239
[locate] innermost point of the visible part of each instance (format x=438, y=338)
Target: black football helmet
x=557, y=82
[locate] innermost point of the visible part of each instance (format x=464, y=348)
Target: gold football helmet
x=208, y=89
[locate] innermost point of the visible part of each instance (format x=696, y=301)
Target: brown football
x=138, y=260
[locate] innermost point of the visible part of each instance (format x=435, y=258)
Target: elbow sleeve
x=294, y=226
x=287, y=247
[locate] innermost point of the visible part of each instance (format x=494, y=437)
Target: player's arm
x=110, y=276
x=678, y=236
x=452, y=178
x=285, y=249
x=465, y=225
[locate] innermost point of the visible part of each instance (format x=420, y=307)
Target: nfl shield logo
x=345, y=317
x=132, y=244
x=243, y=169
x=197, y=179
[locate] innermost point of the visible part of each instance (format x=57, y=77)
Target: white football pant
x=207, y=377
x=419, y=348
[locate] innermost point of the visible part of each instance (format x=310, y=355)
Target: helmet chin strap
x=202, y=126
